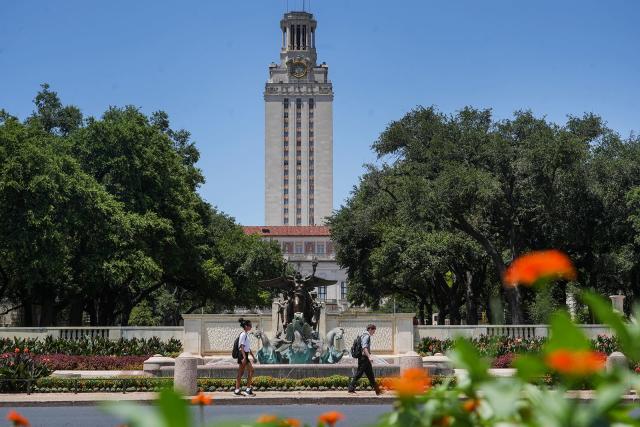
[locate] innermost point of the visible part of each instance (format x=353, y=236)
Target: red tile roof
x=284, y=230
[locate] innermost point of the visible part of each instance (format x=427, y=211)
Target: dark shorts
x=240, y=358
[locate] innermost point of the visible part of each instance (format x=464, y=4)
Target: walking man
x=244, y=363
x=365, y=360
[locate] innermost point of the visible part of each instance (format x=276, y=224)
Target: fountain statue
x=297, y=338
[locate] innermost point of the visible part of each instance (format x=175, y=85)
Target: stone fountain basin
x=228, y=370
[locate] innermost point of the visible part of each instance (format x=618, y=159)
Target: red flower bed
x=503, y=361
x=91, y=363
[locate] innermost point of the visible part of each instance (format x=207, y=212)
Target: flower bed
x=91, y=363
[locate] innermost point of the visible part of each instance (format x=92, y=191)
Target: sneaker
x=351, y=391
x=379, y=392
x=237, y=392
x=249, y=392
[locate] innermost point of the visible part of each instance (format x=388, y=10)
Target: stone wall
x=214, y=334
x=516, y=331
x=112, y=332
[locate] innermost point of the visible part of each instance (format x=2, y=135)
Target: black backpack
x=356, y=347
x=235, y=353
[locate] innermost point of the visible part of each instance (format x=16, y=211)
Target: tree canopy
x=455, y=198
x=101, y=216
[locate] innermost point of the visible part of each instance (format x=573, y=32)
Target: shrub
x=87, y=346
x=497, y=346
x=17, y=367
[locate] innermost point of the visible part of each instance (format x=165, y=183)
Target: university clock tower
x=298, y=129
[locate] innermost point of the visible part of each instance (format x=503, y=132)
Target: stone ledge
x=285, y=371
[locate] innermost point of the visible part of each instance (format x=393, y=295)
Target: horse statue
x=267, y=353
x=334, y=350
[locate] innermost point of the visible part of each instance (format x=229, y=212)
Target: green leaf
x=603, y=311
x=135, y=415
x=502, y=395
x=565, y=334
x=529, y=367
x=174, y=409
x=465, y=356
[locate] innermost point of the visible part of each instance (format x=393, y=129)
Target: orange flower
x=17, y=419
x=443, y=421
x=533, y=266
x=201, y=399
x=412, y=382
x=576, y=362
x=26, y=350
x=17, y=350
x=470, y=405
x=330, y=418
x=266, y=419
x=291, y=422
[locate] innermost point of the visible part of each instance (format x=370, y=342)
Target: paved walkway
x=227, y=398
x=219, y=398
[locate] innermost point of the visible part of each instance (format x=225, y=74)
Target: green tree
x=507, y=186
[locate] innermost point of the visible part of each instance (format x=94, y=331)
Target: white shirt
x=244, y=341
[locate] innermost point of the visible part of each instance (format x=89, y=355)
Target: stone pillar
x=618, y=302
x=617, y=360
x=322, y=327
x=275, y=322
x=192, y=342
x=403, y=331
x=410, y=360
x=185, y=374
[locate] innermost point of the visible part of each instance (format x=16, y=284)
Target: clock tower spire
x=298, y=129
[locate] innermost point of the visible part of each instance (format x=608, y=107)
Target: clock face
x=298, y=69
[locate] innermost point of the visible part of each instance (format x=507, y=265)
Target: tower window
x=310, y=104
x=322, y=293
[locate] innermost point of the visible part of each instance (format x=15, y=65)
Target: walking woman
x=244, y=350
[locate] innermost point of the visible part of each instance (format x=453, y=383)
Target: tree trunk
x=27, y=314
x=75, y=312
x=472, y=303
x=512, y=294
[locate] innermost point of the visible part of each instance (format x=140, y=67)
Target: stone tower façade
x=298, y=129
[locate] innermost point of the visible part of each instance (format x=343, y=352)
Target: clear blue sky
x=205, y=63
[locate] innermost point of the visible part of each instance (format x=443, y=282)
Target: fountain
x=297, y=339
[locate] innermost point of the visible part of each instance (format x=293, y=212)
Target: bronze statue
x=295, y=289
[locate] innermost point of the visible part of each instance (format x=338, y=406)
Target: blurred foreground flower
x=267, y=419
x=201, y=399
x=530, y=268
x=576, y=362
x=413, y=381
x=17, y=419
x=330, y=418
x=291, y=422
x=470, y=405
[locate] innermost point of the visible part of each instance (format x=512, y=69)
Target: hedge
x=141, y=384
x=96, y=346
